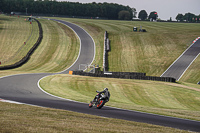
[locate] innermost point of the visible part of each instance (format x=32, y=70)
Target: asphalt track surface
x=178, y=68
x=24, y=89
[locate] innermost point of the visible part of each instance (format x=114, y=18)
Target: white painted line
x=69, y=67
x=179, y=58
x=79, y=48
x=9, y=101
x=188, y=67
x=80, y=45
x=38, y=84
x=2, y=100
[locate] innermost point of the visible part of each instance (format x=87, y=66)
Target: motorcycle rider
x=106, y=94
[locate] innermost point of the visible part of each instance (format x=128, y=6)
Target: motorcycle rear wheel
x=100, y=104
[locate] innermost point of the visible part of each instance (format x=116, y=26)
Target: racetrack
x=24, y=88
x=178, y=68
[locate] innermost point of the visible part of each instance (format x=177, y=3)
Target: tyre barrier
x=125, y=75
x=106, y=50
x=128, y=73
x=30, y=52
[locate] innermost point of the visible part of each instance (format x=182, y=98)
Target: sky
x=165, y=8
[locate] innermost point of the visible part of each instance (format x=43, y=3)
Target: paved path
x=24, y=88
x=87, y=46
x=178, y=68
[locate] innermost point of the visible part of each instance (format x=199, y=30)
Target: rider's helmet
x=105, y=89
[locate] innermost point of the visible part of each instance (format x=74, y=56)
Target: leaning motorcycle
x=98, y=101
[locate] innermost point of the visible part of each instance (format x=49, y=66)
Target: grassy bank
x=151, y=52
x=192, y=75
x=179, y=100
x=57, y=51
x=45, y=120
x=14, y=31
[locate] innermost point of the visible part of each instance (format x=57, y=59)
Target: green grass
x=57, y=51
x=45, y=120
x=151, y=52
x=178, y=100
x=192, y=75
x=14, y=31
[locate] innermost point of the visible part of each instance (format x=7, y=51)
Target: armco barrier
x=125, y=75
x=27, y=56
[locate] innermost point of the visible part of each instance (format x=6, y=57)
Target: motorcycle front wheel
x=90, y=104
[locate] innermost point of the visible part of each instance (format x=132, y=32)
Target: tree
x=153, y=16
x=198, y=18
x=179, y=17
x=189, y=17
x=124, y=15
x=1, y=3
x=134, y=12
x=142, y=15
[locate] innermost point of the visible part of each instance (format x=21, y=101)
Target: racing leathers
x=106, y=94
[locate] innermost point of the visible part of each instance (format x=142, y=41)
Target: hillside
x=151, y=52
x=171, y=99
x=57, y=51
x=17, y=37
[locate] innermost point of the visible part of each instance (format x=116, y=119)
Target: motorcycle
x=98, y=101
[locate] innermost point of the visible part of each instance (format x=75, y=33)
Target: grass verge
x=57, y=51
x=151, y=52
x=171, y=99
x=14, y=32
x=192, y=75
x=45, y=120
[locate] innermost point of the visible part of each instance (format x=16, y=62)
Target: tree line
x=188, y=17
x=53, y=7
x=76, y=9
x=144, y=16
